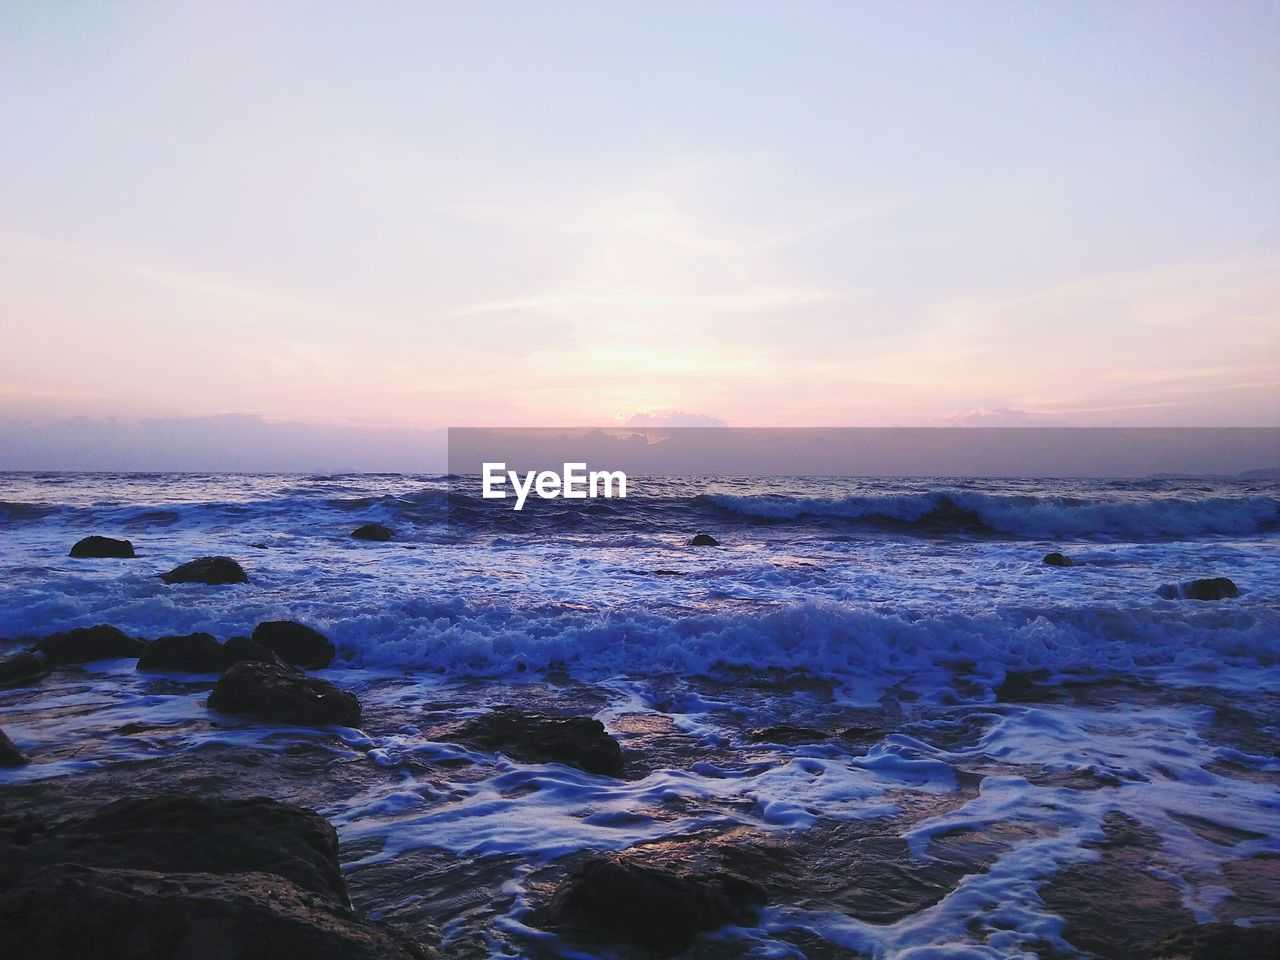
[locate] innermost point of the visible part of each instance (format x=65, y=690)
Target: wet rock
x=189, y=833
x=615, y=901
x=201, y=653
x=280, y=693
x=1081, y=778
x=1219, y=941
x=20, y=829
x=373, y=531
x=248, y=650
x=86, y=644
x=1023, y=686
x=1208, y=588
x=210, y=570
x=537, y=738
x=96, y=546
x=72, y=910
x=1117, y=906
x=294, y=643
x=1224, y=835
x=1056, y=559
x=10, y=755
x=438, y=885
x=194, y=653
x=704, y=540
x=26, y=667
x=854, y=870
x=1254, y=885
x=788, y=734
x=863, y=735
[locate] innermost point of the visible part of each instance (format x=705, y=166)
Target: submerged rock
x=659, y=910
x=96, y=546
x=294, y=643
x=23, y=667
x=10, y=755
x=1056, y=559
x=1208, y=588
x=211, y=570
x=537, y=738
x=279, y=693
x=1097, y=898
x=86, y=644
x=704, y=540
x=1216, y=941
x=373, y=531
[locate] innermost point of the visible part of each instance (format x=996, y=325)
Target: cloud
x=1002, y=417
x=672, y=418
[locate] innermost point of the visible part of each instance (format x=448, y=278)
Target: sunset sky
x=429, y=214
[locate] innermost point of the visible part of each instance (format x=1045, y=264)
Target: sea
x=995, y=695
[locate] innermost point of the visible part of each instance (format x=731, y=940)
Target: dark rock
x=1022, y=686
x=704, y=540
x=19, y=829
x=246, y=650
x=294, y=643
x=102, y=547
x=281, y=694
x=23, y=668
x=1220, y=941
x=373, y=531
x=786, y=733
x=189, y=833
x=71, y=910
x=656, y=909
x=194, y=653
x=864, y=735
x=10, y=755
x=1056, y=559
x=86, y=644
x=201, y=653
x=211, y=570
x=1209, y=588
x=537, y=738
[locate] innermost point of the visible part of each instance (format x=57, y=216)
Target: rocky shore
x=197, y=827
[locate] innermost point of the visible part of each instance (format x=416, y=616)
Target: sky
x=407, y=216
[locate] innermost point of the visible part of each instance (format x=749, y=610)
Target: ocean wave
x=863, y=647
x=841, y=642
x=1036, y=517
x=14, y=512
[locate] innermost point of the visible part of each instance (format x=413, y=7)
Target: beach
x=870, y=721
